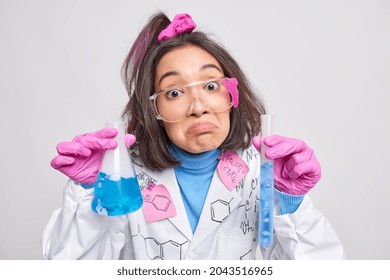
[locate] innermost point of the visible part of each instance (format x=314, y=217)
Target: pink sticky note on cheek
x=158, y=203
x=231, y=169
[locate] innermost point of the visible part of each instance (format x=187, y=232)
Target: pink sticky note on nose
x=231, y=169
x=158, y=203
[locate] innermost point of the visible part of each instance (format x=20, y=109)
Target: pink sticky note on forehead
x=231, y=169
x=158, y=203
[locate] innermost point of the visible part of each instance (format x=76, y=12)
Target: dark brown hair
x=138, y=73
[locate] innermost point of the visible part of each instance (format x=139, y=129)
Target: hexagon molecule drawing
x=220, y=209
x=157, y=250
x=161, y=202
x=169, y=250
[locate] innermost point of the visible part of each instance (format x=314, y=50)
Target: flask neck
x=117, y=162
x=121, y=128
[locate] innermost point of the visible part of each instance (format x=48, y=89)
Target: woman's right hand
x=81, y=158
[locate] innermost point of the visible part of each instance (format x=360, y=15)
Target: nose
x=198, y=108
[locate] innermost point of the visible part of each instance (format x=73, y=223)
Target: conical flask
x=117, y=190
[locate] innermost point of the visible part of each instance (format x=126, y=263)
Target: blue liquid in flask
x=114, y=198
x=266, y=204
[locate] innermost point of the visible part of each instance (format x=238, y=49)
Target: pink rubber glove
x=296, y=167
x=81, y=158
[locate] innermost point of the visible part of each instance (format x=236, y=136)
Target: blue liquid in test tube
x=266, y=204
x=266, y=213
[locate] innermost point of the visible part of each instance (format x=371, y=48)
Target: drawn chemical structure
x=161, y=202
x=220, y=209
x=167, y=250
x=247, y=256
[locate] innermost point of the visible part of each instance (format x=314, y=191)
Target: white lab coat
x=227, y=229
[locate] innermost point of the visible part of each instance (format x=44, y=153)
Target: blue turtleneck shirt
x=194, y=175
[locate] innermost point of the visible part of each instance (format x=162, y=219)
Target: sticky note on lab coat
x=231, y=169
x=158, y=203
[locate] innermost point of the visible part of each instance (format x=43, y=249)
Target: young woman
x=195, y=117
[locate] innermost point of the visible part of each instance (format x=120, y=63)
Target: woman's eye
x=173, y=93
x=211, y=86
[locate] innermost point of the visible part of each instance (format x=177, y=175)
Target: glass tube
x=266, y=187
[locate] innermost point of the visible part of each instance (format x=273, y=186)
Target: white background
x=322, y=67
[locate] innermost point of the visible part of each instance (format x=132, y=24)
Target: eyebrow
x=210, y=65
x=167, y=74
x=173, y=73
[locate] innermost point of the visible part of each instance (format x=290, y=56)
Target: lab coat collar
x=219, y=205
x=168, y=179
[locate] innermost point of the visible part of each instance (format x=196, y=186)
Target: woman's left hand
x=296, y=168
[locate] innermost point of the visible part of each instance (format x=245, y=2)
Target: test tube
x=266, y=187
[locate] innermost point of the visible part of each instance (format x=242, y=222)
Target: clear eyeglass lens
x=175, y=104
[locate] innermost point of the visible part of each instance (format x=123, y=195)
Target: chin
x=203, y=148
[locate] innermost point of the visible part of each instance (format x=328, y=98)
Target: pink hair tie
x=180, y=24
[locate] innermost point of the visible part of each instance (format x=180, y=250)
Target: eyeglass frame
x=154, y=96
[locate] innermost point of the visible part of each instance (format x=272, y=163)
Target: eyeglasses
x=177, y=103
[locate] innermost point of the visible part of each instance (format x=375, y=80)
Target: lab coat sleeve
x=304, y=234
x=76, y=232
